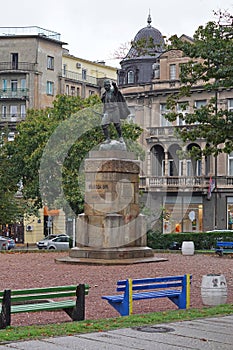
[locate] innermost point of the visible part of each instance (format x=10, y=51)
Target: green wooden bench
x=43, y=299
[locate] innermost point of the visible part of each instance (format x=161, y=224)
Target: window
x=78, y=91
x=84, y=74
x=230, y=104
x=130, y=77
x=13, y=111
x=3, y=111
x=50, y=88
x=182, y=109
x=23, y=84
x=72, y=89
x=91, y=92
x=14, y=85
x=4, y=84
x=194, y=168
x=50, y=62
x=189, y=167
x=67, y=89
x=170, y=167
x=22, y=111
x=64, y=69
x=163, y=120
x=172, y=72
x=14, y=60
x=200, y=103
x=181, y=167
x=230, y=164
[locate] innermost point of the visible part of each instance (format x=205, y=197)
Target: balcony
x=184, y=183
x=17, y=66
x=166, y=131
x=78, y=77
x=5, y=118
x=14, y=94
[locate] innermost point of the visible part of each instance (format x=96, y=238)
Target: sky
x=94, y=29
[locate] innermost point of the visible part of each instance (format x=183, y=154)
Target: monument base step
x=110, y=256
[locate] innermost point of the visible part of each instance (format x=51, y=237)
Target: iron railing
x=17, y=93
x=176, y=183
x=19, y=66
x=79, y=77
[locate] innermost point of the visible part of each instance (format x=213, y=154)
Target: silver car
x=44, y=242
x=59, y=243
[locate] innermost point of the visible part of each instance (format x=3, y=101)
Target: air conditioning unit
x=78, y=65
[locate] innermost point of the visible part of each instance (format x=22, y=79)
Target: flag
x=211, y=187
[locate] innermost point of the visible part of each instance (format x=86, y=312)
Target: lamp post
x=216, y=168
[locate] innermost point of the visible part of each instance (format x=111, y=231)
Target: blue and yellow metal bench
x=175, y=288
x=43, y=299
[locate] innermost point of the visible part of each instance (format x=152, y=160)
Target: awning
x=52, y=212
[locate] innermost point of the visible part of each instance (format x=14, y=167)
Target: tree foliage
x=210, y=66
x=49, y=149
x=11, y=204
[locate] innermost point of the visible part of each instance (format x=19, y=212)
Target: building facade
x=183, y=194
x=34, y=68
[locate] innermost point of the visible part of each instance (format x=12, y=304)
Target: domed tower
x=139, y=66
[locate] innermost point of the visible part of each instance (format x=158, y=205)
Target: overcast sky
x=95, y=29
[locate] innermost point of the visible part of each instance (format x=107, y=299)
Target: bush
x=158, y=240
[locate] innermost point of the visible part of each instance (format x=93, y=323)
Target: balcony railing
x=12, y=94
x=184, y=183
x=12, y=117
x=79, y=77
x=19, y=66
x=179, y=181
x=167, y=130
x=30, y=30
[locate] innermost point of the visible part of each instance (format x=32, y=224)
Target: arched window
x=130, y=77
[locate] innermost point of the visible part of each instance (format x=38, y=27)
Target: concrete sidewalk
x=204, y=334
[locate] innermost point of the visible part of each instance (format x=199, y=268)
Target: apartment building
x=84, y=78
x=34, y=68
x=191, y=195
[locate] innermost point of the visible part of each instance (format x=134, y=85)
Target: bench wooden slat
x=48, y=306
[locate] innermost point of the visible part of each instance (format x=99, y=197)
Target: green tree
x=50, y=147
x=11, y=203
x=211, y=66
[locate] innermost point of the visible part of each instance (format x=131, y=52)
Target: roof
x=152, y=36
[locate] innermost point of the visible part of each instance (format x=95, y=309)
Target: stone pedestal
x=111, y=226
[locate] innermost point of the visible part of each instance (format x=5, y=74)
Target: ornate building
x=192, y=195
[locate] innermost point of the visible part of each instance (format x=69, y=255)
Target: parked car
x=43, y=244
x=59, y=243
x=3, y=243
x=11, y=243
x=175, y=246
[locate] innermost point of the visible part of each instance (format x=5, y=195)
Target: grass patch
x=69, y=328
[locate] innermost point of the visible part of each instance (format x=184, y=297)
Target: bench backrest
x=153, y=283
x=21, y=295
x=224, y=244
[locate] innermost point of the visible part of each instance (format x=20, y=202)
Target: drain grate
x=154, y=329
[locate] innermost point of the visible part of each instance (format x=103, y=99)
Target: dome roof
x=153, y=38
